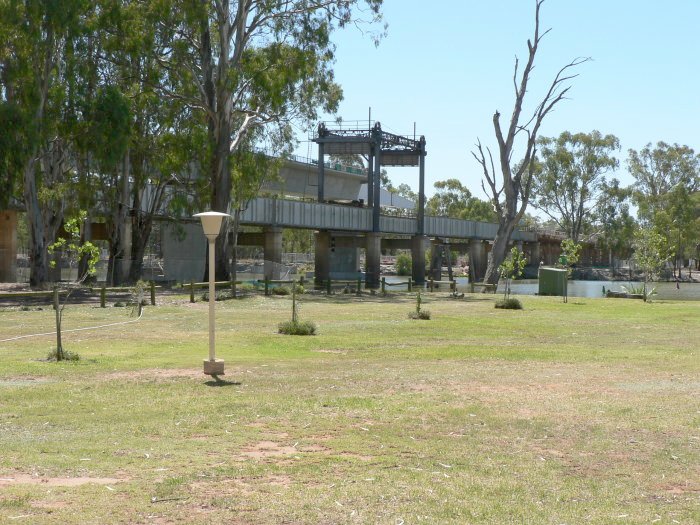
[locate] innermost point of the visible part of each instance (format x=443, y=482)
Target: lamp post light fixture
x=211, y=223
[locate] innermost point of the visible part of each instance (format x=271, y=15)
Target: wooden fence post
x=383, y=285
x=153, y=293
x=432, y=285
x=191, y=291
x=328, y=286
x=103, y=296
x=359, y=286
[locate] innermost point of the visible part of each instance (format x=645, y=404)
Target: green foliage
x=510, y=303
x=280, y=290
x=297, y=240
x=62, y=355
x=650, y=253
x=570, y=253
x=404, y=264
x=110, y=126
x=572, y=177
x=12, y=145
x=72, y=249
x=667, y=179
x=223, y=295
x=405, y=191
x=452, y=199
x=419, y=313
x=613, y=219
x=640, y=290
x=512, y=268
x=297, y=328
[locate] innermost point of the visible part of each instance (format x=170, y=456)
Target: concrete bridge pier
x=336, y=256
x=534, y=253
x=373, y=256
x=8, y=246
x=418, y=243
x=322, y=257
x=477, y=259
x=272, y=252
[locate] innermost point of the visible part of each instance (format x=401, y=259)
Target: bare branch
x=489, y=176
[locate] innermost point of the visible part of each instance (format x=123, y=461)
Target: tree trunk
x=57, y=307
x=38, y=254
x=118, y=255
x=499, y=252
x=140, y=233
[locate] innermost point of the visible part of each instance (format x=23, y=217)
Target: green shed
x=552, y=281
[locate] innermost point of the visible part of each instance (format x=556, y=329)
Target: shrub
x=509, y=304
x=221, y=295
x=419, y=313
x=247, y=287
x=65, y=356
x=297, y=328
x=403, y=264
x=280, y=290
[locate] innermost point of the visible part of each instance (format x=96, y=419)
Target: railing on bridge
x=298, y=214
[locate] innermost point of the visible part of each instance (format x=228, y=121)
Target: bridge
x=341, y=231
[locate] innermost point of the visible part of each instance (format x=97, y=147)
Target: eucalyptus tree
x=614, y=225
x=242, y=65
x=666, y=179
x=572, y=178
x=510, y=185
x=157, y=167
x=38, y=39
x=453, y=199
x=12, y=144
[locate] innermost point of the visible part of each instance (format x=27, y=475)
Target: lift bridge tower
x=380, y=148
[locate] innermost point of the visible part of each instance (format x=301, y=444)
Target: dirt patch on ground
x=245, y=486
x=28, y=479
x=265, y=449
x=50, y=505
x=680, y=489
x=339, y=351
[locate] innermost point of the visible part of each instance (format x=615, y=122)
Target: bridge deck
x=297, y=214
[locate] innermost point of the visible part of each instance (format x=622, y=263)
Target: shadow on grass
x=217, y=381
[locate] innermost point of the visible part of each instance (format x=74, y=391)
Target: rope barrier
x=74, y=329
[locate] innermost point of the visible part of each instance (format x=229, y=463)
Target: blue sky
x=447, y=65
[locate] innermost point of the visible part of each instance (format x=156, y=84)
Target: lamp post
x=211, y=223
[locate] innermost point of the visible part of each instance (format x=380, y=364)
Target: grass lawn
x=586, y=412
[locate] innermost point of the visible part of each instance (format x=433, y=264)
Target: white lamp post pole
x=212, y=298
x=211, y=223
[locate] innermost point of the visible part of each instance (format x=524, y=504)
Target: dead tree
x=512, y=197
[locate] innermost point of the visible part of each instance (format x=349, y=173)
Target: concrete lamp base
x=214, y=368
